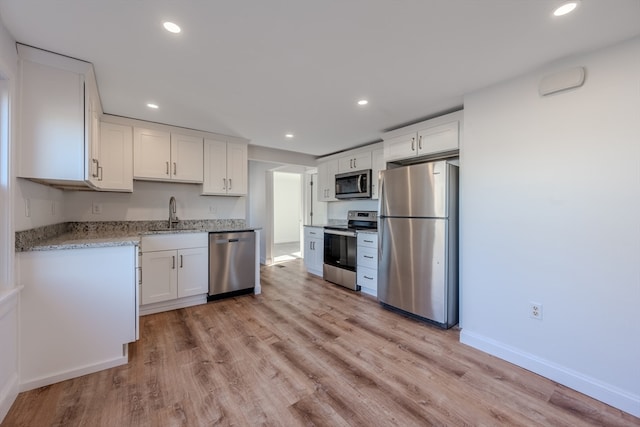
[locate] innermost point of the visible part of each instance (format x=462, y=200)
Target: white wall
x=550, y=213
x=259, y=214
x=150, y=201
x=46, y=205
x=338, y=210
x=287, y=203
x=8, y=293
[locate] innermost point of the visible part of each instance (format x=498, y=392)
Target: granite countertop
x=79, y=235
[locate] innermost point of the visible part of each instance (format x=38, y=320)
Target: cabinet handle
x=420, y=142
x=312, y=232
x=167, y=168
x=224, y=183
x=354, y=163
x=368, y=241
x=367, y=277
x=173, y=262
x=94, y=161
x=100, y=173
x=350, y=163
x=175, y=168
x=367, y=256
x=413, y=144
x=180, y=261
x=229, y=183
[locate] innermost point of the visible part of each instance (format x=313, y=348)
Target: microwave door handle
x=360, y=190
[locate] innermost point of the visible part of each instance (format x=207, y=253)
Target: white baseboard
x=592, y=387
x=74, y=373
x=8, y=395
x=173, y=304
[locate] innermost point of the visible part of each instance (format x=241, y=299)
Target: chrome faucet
x=173, y=219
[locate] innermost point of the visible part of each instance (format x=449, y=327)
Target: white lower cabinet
x=314, y=249
x=367, y=263
x=78, y=310
x=174, y=271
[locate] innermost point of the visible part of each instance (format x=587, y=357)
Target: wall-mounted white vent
x=561, y=81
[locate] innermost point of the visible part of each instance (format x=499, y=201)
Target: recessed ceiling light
x=152, y=105
x=171, y=27
x=566, y=8
x=288, y=135
x=363, y=102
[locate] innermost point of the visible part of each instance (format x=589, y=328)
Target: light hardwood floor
x=305, y=352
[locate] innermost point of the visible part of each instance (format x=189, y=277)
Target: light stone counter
x=78, y=235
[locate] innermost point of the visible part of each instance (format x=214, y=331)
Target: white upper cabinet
x=435, y=136
x=59, y=110
x=113, y=158
x=327, y=180
x=355, y=162
x=225, y=168
x=164, y=156
x=377, y=165
x=186, y=158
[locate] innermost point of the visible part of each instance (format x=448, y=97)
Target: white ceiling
x=262, y=68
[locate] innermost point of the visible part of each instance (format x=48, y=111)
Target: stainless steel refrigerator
x=418, y=243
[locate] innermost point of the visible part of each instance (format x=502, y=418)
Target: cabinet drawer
x=174, y=241
x=367, y=257
x=313, y=233
x=368, y=240
x=367, y=278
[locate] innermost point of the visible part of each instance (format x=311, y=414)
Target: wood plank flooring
x=305, y=352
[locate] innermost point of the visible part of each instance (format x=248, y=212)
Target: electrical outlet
x=535, y=310
x=96, y=209
x=213, y=209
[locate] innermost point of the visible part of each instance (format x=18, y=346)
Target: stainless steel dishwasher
x=232, y=263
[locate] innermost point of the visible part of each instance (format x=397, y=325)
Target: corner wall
x=9, y=295
x=550, y=213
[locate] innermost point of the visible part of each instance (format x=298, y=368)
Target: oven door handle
x=340, y=233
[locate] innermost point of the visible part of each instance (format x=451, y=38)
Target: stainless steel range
x=340, y=248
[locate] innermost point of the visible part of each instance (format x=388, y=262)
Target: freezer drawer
x=232, y=260
x=414, y=268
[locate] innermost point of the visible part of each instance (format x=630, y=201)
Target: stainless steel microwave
x=354, y=185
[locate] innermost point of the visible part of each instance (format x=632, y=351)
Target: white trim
x=174, y=304
x=597, y=389
x=8, y=297
x=74, y=373
x=8, y=395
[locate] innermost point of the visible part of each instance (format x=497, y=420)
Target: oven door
x=340, y=249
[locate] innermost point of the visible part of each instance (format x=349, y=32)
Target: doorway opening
x=287, y=216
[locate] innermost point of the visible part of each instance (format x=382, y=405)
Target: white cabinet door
x=186, y=158
x=193, y=268
x=401, y=147
x=93, y=133
x=377, y=165
x=225, y=168
x=52, y=124
x=327, y=180
x=314, y=249
x=215, y=167
x=354, y=162
x=159, y=276
x=151, y=154
x=438, y=139
x=115, y=158
x=237, y=169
